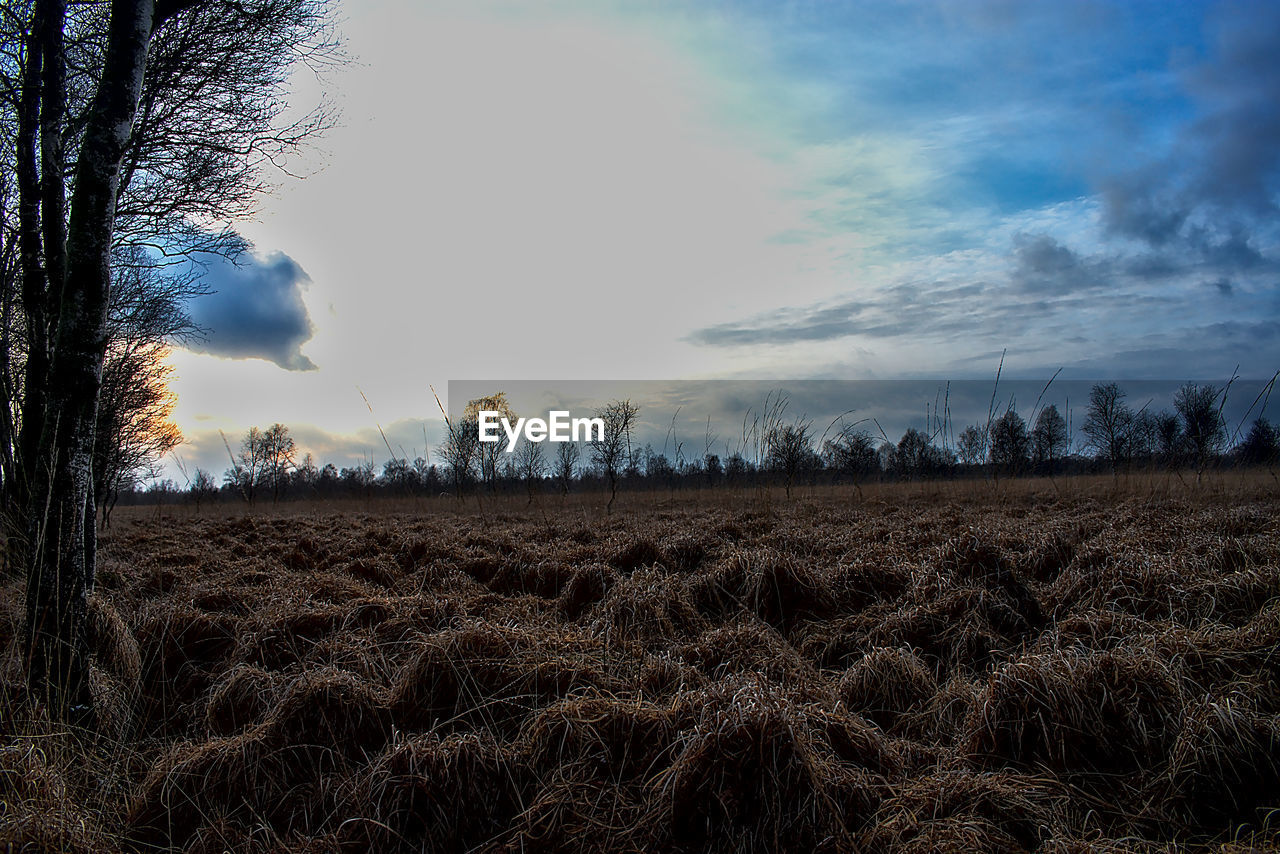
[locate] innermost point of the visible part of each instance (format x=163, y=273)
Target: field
x=1073, y=667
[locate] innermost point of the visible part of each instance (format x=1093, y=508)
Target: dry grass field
x=1065, y=667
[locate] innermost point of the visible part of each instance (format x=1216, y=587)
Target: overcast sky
x=680, y=190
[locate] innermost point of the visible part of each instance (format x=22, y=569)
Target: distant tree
x=278, y=449
x=612, y=452
x=135, y=428
x=915, y=455
x=1169, y=439
x=1204, y=430
x=789, y=450
x=328, y=479
x=736, y=469
x=1108, y=424
x=972, y=445
x=714, y=469
x=489, y=454
x=203, y=488
x=567, y=454
x=1261, y=445
x=1049, y=438
x=851, y=454
x=461, y=452
x=531, y=465
x=398, y=475
x=1010, y=443
x=305, y=475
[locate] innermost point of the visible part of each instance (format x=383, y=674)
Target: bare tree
x=80, y=110
x=488, y=454
x=1203, y=427
x=531, y=465
x=1049, y=437
x=789, y=449
x=972, y=446
x=567, y=454
x=460, y=452
x=1261, y=445
x=1010, y=443
x=612, y=451
x=851, y=454
x=203, y=488
x=1108, y=424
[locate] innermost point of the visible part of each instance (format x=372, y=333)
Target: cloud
x=1042, y=264
x=256, y=311
x=1215, y=185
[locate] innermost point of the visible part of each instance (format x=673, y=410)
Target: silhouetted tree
x=1203, y=428
x=612, y=451
x=84, y=122
x=1108, y=423
x=567, y=454
x=789, y=450
x=915, y=455
x=972, y=445
x=531, y=465
x=1049, y=437
x=1169, y=439
x=1261, y=445
x=1010, y=443
x=851, y=454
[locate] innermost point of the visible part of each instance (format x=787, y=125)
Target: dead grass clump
x=1131, y=583
x=649, y=606
x=886, y=684
x=288, y=633
x=942, y=718
x=781, y=589
x=773, y=585
x=434, y=794
x=1224, y=765
x=683, y=552
x=955, y=632
x=1108, y=712
x=586, y=587
x=37, y=811
x=182, y=649
x=373, y=570
x=485, y=676
x=963, y=810
x=629, y=552
x=192, y=783
x=602, y=736
x=751, y=774
x=333, y=709
x=859, y=585
x=114, y=647
x=972, y=558
x=663, y=676
x=750, y=648
x=240, y=700
x=544, y=579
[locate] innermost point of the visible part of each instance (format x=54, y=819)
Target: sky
x=750, y=190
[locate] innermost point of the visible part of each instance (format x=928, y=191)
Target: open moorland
x=1058, y=668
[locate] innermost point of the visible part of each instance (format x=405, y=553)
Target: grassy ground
x=1092, y=664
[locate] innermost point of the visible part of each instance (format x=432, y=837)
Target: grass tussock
x=892, y=671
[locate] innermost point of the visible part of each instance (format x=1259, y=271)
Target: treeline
x=775, y=451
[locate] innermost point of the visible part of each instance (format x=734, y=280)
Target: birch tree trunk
x=60, y=549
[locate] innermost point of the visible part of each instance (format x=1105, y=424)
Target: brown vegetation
x=964, y=672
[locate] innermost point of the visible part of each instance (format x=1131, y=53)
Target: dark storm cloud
x=1217, y=186
x=256, y=311
x=1043, y=265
